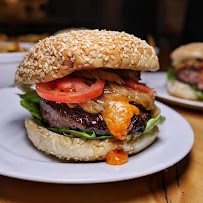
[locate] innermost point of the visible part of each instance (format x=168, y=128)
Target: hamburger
x=88, y=103
x=185, y=77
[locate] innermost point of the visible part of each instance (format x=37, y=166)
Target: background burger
x=89, y=104
x=185, y=78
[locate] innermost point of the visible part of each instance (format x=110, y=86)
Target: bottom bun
x=84, y=150
x=180, y=89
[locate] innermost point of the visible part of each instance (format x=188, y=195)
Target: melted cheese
x=117, y=115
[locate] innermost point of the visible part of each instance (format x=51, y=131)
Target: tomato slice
x=68, y=84
x=69, y=90
x=139, y=86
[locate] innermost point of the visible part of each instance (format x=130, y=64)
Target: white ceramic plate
x=19, y=159
x=158, y=81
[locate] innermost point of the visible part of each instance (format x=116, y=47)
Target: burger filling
x=95, y=104
x=191, y=73
x=62, y=116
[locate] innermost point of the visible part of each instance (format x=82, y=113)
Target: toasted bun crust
x=188, y=51
x=83, y=150
x=60, y=55
x=180, y=89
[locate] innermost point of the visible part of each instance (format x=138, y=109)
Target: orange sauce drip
x=117, y=116
x=117, y=157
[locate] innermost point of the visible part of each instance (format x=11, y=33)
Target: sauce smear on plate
x=117, y=157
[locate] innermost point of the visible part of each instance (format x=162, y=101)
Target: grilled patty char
x=61, y=116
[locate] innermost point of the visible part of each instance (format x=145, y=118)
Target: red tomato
x=69, y=90
x=68, y=84
x=139, y=86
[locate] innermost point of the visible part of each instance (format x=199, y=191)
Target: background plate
x=19, y=159
x=158, y=82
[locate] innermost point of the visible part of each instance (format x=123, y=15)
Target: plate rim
x=102, y=180
x=192, y=104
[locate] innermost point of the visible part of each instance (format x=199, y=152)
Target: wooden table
x=182, y=183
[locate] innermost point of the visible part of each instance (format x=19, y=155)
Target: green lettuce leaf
x=153, y=122
x=79, y=134
x=170, y=75
x=30, y=96
x=31, y=102
x=199, y=94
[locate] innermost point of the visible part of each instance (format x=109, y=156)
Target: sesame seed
x=118, y=49
x=92, y=52
x=86, y=65
x=75, y=48
x=87, y=59
x=91, y=61
x=106, y=58
x=45, y=65
x=100, y=55
x=53, y=59
x=65, y=67
x=113, y=57
x=48, y=56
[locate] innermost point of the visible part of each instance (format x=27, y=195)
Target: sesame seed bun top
x=60, y=55
x=188, y=51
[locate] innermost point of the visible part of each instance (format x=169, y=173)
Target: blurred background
x=165, y=24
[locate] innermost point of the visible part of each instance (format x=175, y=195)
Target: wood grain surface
x=181, y=183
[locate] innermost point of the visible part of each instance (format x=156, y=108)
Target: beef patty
x=190, y=75
x=61, y=116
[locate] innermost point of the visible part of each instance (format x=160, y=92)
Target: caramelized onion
x=121, y=92
x=72, y=105
x=155, y=112
x=100, y=74
x=114, y=105
x=91, y=106
x=115, y=92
